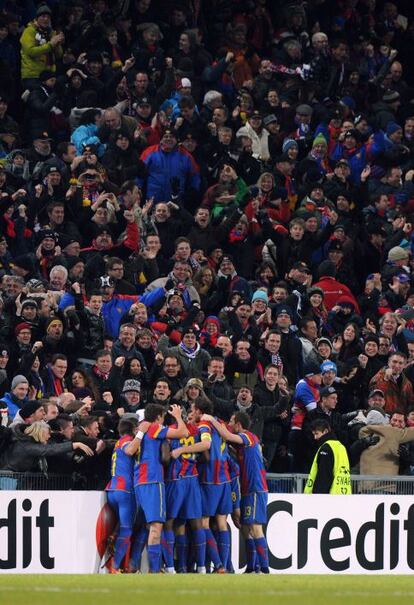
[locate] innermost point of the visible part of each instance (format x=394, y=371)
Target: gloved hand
x=371, y=440
x=169, y=284
x=405, y=454
x=73, y=318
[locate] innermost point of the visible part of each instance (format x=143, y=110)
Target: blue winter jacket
x=162, y=167
x=114, y=309
x=359, y=157
x=12, y=405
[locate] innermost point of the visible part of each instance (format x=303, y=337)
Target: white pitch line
x=201, y=592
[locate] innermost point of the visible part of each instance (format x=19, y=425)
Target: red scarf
x=59, y=386
x=10, y=230
x=100, y=374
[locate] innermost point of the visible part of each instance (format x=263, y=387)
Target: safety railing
x=283, y=483
x=40, y=481
x=361, y=484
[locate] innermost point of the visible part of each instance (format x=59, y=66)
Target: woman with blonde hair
x=39, y=431
x=29, y=448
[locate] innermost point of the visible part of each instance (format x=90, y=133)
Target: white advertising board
x=66, y=532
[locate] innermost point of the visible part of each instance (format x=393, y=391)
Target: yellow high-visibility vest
x=341, y=481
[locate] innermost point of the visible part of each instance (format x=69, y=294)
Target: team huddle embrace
x=173, y=484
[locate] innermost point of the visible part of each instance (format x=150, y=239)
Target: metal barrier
x=361, y=484
x=283, y=483
x=402, y=485
x=49, y=482
x=286, y=483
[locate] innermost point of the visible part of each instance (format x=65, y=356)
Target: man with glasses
x=180, y=277
x=115, y=269
x=384, y=347
x=168, y=368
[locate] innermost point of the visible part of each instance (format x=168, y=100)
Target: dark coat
x=38, y=111
x=272, y=404
x=24, y=454
x=123, y=165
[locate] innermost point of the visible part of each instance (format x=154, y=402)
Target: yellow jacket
x=37, y=53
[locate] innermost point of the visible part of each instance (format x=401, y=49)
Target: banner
x=67, y=532
x=317, y=534
x=49, y=532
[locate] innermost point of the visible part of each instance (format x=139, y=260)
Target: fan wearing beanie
x=16, y=398
x=394, y=133
x=305, y=400
x=319, y=152
x=261, y=310
x=398, y=256
x=39, y=33
x=314, y=307
x=398, y=262
x=32, y=411
x=290, y=148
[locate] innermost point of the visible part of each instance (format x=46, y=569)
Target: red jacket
x=333, y=290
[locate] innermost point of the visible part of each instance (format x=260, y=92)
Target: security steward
x=330, y=471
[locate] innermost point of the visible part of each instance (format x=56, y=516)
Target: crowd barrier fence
x=279, y=483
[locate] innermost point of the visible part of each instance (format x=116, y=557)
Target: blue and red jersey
x=186, y=464
x=305, y=399
x=149, y=468
x=122, y=467
x=234, y=468
x=215, y=468
x=252, y=470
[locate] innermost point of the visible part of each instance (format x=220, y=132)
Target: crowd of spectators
x=206, y=200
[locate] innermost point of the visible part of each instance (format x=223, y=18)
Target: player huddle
x=172, y=488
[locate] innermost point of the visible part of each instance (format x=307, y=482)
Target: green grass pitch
x=204, y=590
